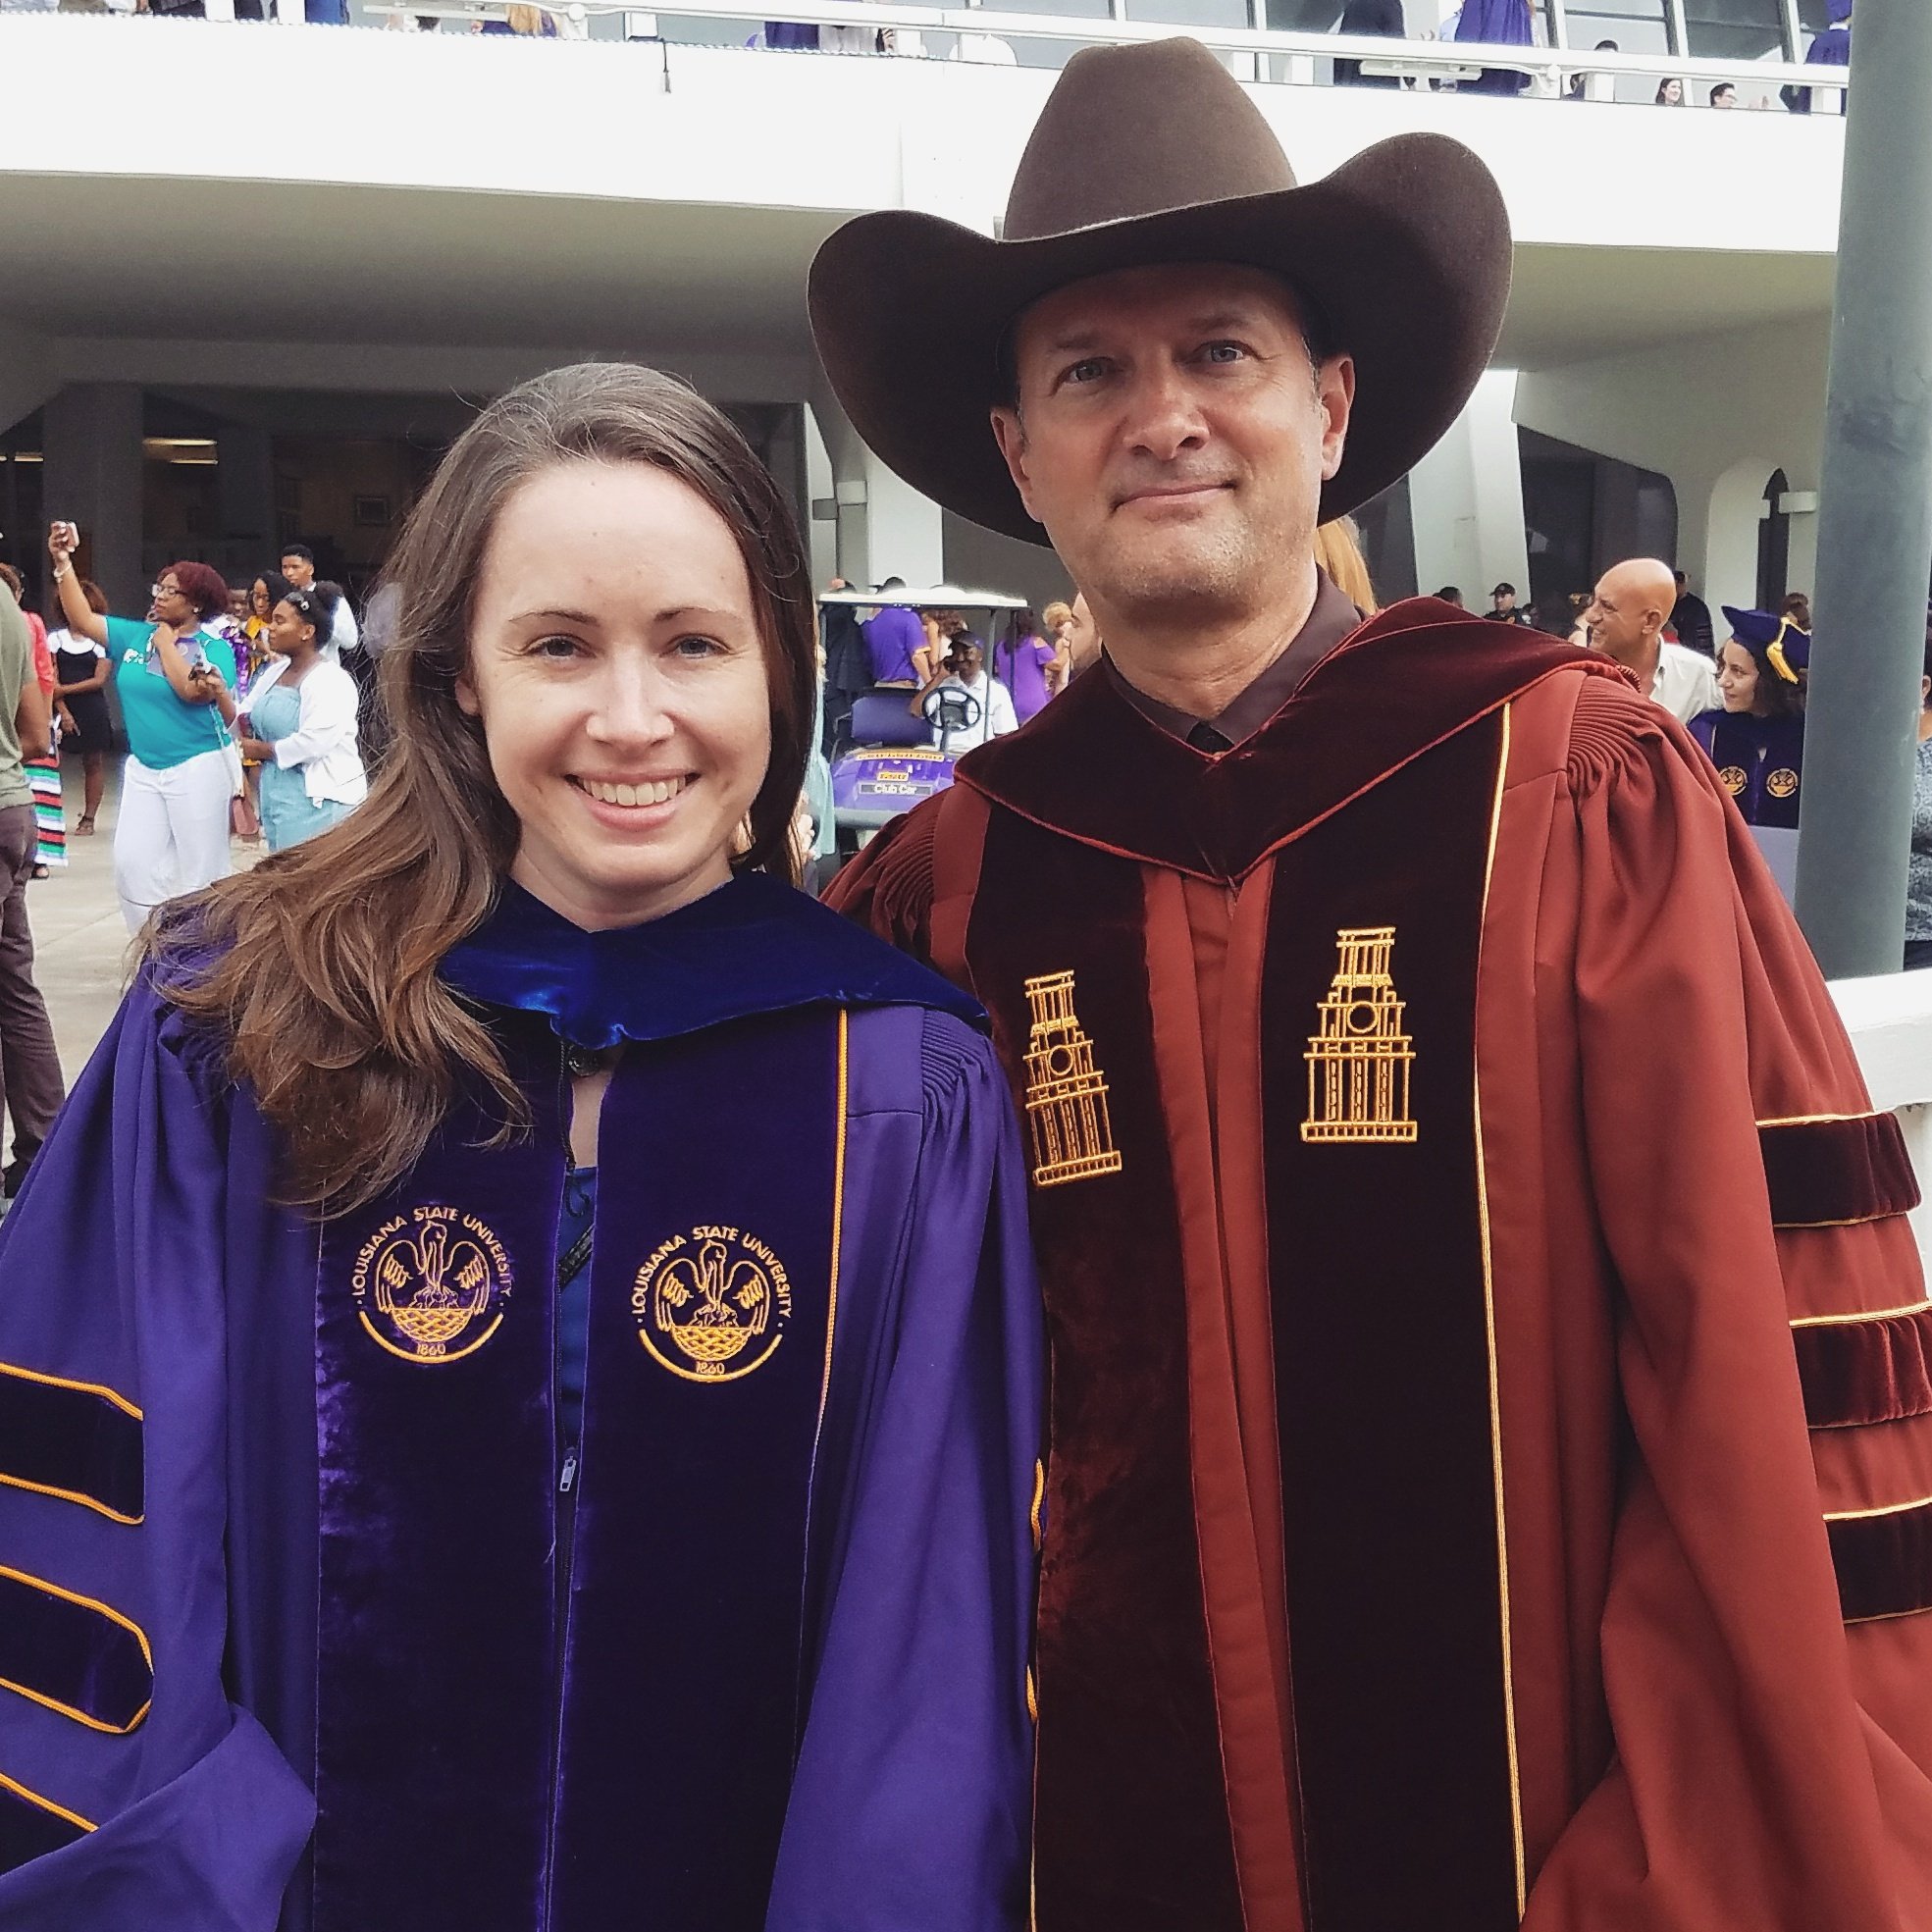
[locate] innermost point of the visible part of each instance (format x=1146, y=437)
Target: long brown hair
x=320, y=965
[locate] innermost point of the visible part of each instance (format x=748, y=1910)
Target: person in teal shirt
x=173, y=677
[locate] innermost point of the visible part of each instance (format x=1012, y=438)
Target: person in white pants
x=172, y=834
x=173, y=677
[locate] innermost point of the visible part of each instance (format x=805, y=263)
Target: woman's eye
x=557, y=648
x=698, y=647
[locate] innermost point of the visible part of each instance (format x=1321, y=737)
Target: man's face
x=965, y=660
x=1082, y=635
x=1173, y=436
x=1616, y=620
x=299, y=571
x=1504, y=600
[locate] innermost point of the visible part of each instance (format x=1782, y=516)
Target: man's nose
x=1164, y=416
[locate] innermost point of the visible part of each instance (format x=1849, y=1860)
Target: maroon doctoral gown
x=1490, y=1474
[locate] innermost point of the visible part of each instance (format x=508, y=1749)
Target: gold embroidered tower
x=1066, y=1094
x=1359, y=1057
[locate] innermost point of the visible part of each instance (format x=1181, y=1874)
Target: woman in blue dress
x=298, y=724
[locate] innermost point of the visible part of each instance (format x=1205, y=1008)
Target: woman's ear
x=466, y=697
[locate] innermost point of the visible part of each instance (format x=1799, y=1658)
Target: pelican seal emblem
x=712, y=1305
x=430, y=1285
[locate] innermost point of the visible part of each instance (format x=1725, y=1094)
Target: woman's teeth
x=661, y=793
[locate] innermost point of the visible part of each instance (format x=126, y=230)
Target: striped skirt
x=43, y=775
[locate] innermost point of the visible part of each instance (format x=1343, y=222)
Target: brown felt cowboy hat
x=1153, y=154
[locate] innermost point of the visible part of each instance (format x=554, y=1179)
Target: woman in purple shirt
x=1028, y=666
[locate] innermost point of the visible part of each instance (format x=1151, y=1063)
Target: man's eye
x=1089, y=371
x=1222, y=352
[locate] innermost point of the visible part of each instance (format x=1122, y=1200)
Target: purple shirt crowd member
x=891, y=638
x=520, y=1369
x=1022, y=664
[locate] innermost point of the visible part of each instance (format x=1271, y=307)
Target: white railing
x=1270, y=54
x=1889, y=1020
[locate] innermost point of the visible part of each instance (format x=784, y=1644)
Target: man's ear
x=1010, y=433
x=1335, y=389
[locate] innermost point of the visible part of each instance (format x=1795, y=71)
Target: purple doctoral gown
x=1496, y=23
x=280, y=1516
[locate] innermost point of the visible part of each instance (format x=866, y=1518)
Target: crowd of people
x=237, y=716
x=1513, y=23
x=1491, y=23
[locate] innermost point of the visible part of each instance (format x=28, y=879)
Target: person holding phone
x=173, y=676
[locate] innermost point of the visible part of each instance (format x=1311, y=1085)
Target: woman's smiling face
x=617, y=667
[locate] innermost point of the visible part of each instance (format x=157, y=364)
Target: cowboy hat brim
x=1404, y=252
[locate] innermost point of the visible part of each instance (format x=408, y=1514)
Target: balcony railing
x=1256, y=53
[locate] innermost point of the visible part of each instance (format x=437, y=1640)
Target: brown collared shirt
x=1330, y=620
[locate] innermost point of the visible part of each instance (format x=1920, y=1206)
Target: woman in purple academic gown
x=521, y=1377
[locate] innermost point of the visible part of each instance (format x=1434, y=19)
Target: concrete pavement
x=83, y=953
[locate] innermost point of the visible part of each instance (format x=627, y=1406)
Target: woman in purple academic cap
x=520, y=1371
x=1757, y=737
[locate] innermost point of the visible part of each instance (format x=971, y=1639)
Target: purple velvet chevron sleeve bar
x=183, y=1815
x=911, y=1803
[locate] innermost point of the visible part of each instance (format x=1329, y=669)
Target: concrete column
x=93, y=447
x=1466, y=500
x=246, y=458
x=885, y=527
x=1874, y=544
x=26, y=373
x=821, y=532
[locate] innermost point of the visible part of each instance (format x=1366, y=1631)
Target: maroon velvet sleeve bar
x=1865, y=1371
x=1827, y=1173
x=1883, y=1563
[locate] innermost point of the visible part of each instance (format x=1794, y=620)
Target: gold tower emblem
x=1359, y=1057
x=1066, y=1095
x=711, y=1305
x=430, y=1286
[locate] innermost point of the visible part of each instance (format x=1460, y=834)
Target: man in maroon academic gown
x=1492, y=1428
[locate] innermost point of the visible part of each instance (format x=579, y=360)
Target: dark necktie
x=1205, y=738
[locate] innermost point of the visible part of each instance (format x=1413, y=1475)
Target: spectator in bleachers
x=1495, y=24
x=1378, y=17
x=1832, y=49
x=1594, y=87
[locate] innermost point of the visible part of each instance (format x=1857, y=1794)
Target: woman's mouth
x=650, y=792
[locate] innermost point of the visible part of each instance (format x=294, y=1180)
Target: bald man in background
x=1626, y=621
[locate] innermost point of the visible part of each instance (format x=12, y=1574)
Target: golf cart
x=885, y=759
